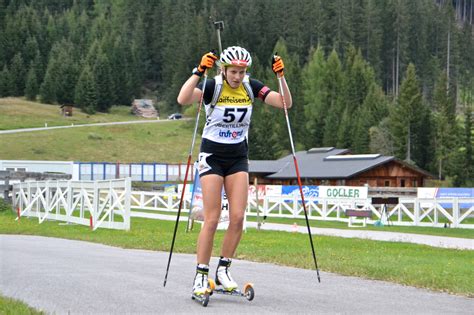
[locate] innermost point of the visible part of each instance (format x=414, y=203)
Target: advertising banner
x=430, y=193
x=336, y=192
x=358, y=192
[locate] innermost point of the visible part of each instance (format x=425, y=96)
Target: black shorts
x=222, y=159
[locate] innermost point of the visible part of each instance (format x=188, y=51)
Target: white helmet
x=235, y=56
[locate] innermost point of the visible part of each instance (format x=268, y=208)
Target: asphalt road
x=72, y=277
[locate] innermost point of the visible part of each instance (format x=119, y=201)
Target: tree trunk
x=448, y=53
x=398, y=62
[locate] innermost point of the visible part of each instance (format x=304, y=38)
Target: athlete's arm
x=274, y=98
x=189, y=93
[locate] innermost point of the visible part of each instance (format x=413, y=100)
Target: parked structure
x=144, y=108
x=66, y=110
x=331, y=166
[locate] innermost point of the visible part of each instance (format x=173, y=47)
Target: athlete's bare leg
x=236, y=188
x=212, y=193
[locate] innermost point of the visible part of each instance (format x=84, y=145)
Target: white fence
x=110, y=203
x=408, y=212
x=104, y=204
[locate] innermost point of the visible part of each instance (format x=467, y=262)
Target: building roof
x=323, y=163
x=266, y=166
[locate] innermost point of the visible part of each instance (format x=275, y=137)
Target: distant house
x=144, y=108
x=66, y=110
x=331, y=166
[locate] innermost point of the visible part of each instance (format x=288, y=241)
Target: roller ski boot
x=201, y=290
x=224, y=283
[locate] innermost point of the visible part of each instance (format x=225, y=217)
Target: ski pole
x=282, y=93
x=186, y=177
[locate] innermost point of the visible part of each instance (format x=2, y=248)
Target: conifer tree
x=410, y=121
x=468, y=167
x=344, y=133
x=381, y=139
x=48, y=87
x=86, y=91
x=31, y=88
x=314, y=95
x=104, y=82
x=371, y=113
x=67, y=72
x=6, y=85
x=335, y=107
x=445, y=138
x=18, y=75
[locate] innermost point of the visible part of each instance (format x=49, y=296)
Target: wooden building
x=331, y=166
x=66, y=110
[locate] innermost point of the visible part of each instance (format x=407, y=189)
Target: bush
x=4, y=206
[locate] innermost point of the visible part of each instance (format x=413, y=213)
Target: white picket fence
x=98, y=204
x=408, y=212
x=111, y=203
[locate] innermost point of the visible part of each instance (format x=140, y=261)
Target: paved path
x=423, y=239
x=85, y=125
x=430, y=240
x=72, y=277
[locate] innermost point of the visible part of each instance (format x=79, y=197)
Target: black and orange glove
x=277, y=65
x=207, y=62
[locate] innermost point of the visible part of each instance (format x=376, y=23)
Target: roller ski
x=224, y=283
x=201, y=290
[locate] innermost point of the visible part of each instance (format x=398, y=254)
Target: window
x=415, y=183
x=387, y=183
x=402, y=183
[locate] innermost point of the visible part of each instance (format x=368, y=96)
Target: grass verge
x=9, y=306
x=448, y=232
x=438, y=269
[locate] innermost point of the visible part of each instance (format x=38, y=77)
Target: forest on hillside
x=392, y=77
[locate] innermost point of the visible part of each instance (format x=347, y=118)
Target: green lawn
x=10, y=306
x=168, y=141
x=16, y=113
x=438, y=269
x=450, y=232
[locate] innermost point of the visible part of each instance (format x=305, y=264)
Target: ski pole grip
x=274, y=58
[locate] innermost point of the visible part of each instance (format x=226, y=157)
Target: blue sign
x=456, y=193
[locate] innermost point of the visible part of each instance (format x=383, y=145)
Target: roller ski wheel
x=248, y=291
x=203, y=299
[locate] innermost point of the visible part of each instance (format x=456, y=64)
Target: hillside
x=167, y=141
x=16, y=113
